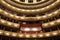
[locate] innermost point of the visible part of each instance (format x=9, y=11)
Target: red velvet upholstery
x=31, y=25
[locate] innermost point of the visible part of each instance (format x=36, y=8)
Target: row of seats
x=30, y=6
x=8, y=4
x=55, y=13
x=29, y=11
x=16, y=25
x=25, y=35
x=28, y=1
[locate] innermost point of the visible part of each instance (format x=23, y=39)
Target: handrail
x=28, y=6
x=30, y=11
x=25, y=35
x=16, y=25
x=9, y=24
x=50, y=15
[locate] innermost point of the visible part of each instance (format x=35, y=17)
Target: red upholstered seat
x=28, y=27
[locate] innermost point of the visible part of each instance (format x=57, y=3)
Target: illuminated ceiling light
x=26, y=29
x=34, y=29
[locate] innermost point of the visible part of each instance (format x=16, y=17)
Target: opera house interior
x=29, y=19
